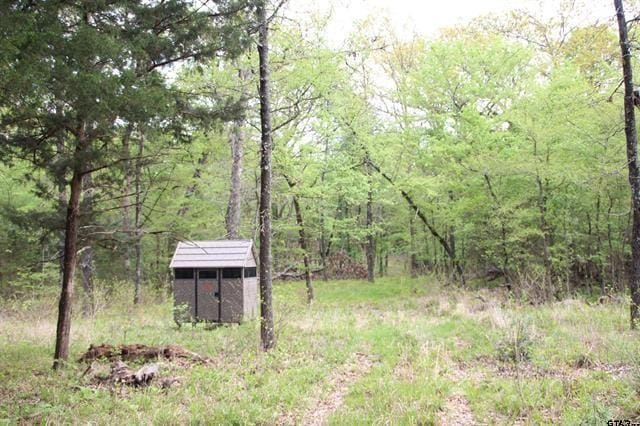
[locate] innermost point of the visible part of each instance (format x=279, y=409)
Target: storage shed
x=215, y=281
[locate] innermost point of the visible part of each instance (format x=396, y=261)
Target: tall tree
x=370, y=250
x=267, y=332
x=78, y=71
x=137, y=221
x=631, y=135
x=302, y=240
x=86, y=259
x=236, y=141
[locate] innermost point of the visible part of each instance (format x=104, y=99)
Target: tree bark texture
x=126, y=202
x=370, y=247
x=236, y=139
x=302, y=241
x=267, y=332
x=63, y=328
x=545, y=230
x=503, y=227
x=632, y=160
x=138, y=220
x=413, y=259
x=62, y=206
x=86, y=258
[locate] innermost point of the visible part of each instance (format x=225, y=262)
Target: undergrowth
x=423, y=343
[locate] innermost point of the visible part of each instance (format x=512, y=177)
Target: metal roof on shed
x=213, y=254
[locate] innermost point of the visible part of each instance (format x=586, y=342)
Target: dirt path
x=356, y=367
x=456, y=411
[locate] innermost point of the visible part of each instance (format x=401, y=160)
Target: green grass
x=423, y=343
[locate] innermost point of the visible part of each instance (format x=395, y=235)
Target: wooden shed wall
x=250, y=300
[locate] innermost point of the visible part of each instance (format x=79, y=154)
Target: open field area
x=400, y=351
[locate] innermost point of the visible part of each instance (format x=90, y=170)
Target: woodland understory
x=491, y=154
x=448, y=226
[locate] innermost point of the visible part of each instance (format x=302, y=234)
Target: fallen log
x=291, y=274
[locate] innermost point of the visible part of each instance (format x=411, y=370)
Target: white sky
x=426, y=17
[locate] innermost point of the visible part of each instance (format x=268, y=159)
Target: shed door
x=184, y=290
x=208, y=295
x=232, y=309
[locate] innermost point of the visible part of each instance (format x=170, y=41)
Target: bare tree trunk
x=632, y=160
x=233, y=208
x=86, y=257
x=544, y=229
x=302, y=240
x=305, y=252
x=599, y=261
x=612, y=259
x=324, y=245
x=236, y=139
x=451, y=238
x=440, y=239
x=158, y=267
x=192, y=189
x=256, y=218
x=63, y=328
x=413, y=260
x=138, y=220
x=62, y=205
x=370, y=247
x=126, y=202
x=503, y=228
x=267, y=332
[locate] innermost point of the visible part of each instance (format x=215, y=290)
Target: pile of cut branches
x=341, y=266
x=120, y=373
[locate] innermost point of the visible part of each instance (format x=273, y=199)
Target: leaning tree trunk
x=63, y=328
x=503, y=227
x=267, y=332
x=138, y=220
x=302, y=240
x=439, y=238
x=302, y=237
x=632, y=160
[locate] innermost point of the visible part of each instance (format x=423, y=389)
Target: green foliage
x=509, y=149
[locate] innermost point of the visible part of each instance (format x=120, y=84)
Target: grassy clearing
x=400, y=351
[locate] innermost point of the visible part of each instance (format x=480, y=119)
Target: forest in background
x=493, y=162
x=492, y=151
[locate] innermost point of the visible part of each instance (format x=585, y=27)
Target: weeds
x=428, y=346
x=516, y=340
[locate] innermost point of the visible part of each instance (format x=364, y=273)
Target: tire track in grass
x=456, y=411
x=355, y=368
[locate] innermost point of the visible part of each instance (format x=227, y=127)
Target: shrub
x=515, y=341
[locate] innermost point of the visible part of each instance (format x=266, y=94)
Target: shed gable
x=213, y=254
